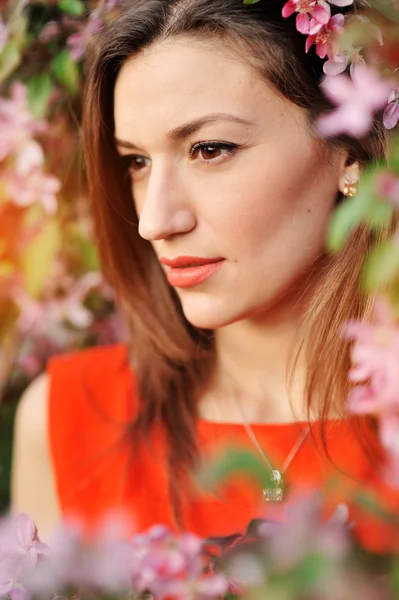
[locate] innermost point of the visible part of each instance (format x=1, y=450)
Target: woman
x=211, y=193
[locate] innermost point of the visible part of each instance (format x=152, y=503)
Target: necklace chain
x=290, y=456
x=273, y=490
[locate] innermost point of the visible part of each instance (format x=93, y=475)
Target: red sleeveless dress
x=92, y=402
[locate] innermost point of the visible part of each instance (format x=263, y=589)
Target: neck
x=251, y=372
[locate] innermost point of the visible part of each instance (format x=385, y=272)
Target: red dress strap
x=92, y=403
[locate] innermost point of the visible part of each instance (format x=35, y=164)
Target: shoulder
x=30, y=420
x=32, y=482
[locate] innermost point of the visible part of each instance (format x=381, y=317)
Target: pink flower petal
x=3, y=34
x=26, y=528
x=391, y=115
x=288, y=9
x=310, y=40
x=302, y=23
x=321, y=12
x=321, y=49
x=333, y=68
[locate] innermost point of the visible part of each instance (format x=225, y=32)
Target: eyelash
x=230, y=148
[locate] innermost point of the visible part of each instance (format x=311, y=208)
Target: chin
x=209, y=314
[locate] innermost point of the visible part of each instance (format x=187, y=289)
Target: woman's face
x=223, y=169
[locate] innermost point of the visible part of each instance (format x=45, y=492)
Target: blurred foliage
x=53, y=298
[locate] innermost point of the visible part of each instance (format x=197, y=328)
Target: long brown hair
x=172, y=359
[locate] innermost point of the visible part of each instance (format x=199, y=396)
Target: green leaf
x=382, y=266
x=311, y=571
x=66, y=71
x=38, y=257
x=393, y=157
x=365, y=207
x=233, y=461
x=369, y=504
x=72, y=7
x=250, y=1
x=345, y=219
x=86, y=248
x=379, y=212
x=10, y=58
x=39, y=92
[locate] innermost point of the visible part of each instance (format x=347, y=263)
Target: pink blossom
x=339, y=61
x=172, y=565
x=17, y=123
x=20, y=551
x=356, y=101
x=305, y=531
x=100, y=564
x=3, y=34
x=323, y=38
x=31, y=188
x=38, y=318
x=19, y=536
x=391, y=112
x=387, y=186
x=375, y=359
x=311, y=14
x=77, y=42
x=50, y=31
x=343, y=54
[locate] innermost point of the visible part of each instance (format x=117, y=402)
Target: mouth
x=189, y=271
x=183, y=262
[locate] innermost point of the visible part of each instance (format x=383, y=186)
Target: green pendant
x=273, y=490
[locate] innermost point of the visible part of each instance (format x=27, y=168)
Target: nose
x=166, y=210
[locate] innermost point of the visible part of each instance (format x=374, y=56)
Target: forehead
x=182, y=79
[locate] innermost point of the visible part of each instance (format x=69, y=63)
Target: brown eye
x=137, y=163
x=210, y=152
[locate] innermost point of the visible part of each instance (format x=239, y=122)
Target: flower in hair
x=391, y=112
x=356, y=100
x=312, y=15
x=323, y=39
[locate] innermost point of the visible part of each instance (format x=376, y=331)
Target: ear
x=349, y=177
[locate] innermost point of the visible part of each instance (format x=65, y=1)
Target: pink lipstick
x=187, y=271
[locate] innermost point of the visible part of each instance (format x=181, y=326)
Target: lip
x=188, y=261
x=188, y=271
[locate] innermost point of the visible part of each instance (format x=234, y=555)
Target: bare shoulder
x=32, y=482
x=32, y=411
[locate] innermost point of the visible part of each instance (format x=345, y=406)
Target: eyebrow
x=183, y=131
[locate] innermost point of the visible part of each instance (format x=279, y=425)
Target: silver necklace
x=273, y=489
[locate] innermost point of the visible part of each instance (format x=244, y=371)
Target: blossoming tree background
x=54, y=299
x=52, y=296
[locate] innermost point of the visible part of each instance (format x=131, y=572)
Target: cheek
x=139, y=193
x=262, y=203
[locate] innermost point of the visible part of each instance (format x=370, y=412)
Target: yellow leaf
x=38, y=257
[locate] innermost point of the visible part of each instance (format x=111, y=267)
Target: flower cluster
x=25, y=181
x=297, y=553
x=159, y=562
x=359, y=96
x=314, y=19
x=375, y=373
x=85, y=31
x=52, y=296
